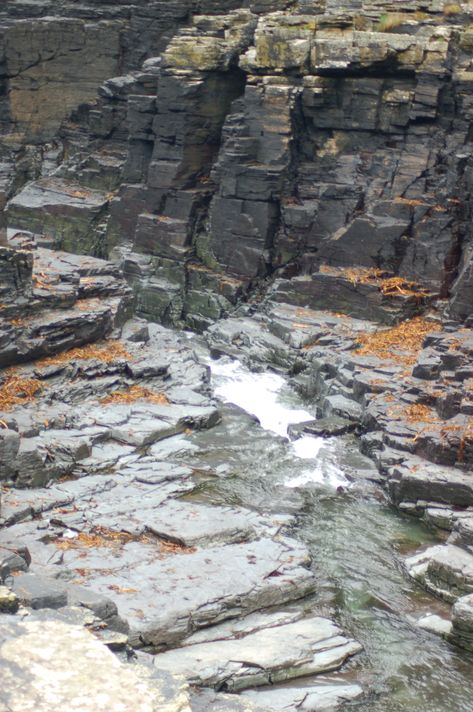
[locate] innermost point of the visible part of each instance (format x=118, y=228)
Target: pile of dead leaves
x=168, y=548
x=397, y=286
x=389, y=286
x=420, y=413
x=98, y=537
x=362, y=275
x=400, y=343
x=133, y=394
x=107, y=352
x=16, y=390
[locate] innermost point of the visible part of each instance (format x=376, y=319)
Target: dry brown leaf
x=135, y=393
x=106, y=353
x=400, y=343
x=18, y=391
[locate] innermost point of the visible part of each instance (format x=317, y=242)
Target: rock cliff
x=322, y=147
x=294, y=179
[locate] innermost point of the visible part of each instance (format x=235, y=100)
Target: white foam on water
x=307, y=447
x=259, y=394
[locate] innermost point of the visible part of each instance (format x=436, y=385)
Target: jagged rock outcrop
x=176, y=159
x=257, y=140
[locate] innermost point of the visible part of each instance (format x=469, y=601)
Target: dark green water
x=358, y=543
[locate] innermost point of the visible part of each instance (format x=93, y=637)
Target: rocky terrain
x=291, y=180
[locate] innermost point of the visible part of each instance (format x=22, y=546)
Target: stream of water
x=356, y=539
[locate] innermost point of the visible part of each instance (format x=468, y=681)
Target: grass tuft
x=390, y=21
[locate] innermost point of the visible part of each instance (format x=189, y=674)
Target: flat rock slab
x=61, y=210
x=18, y=505
x=301, y=327
x=79, y=506
x=325, y=696
x=142, y=425
x=54, y=330
x=239, y=627
x=150, y=471
x=435, y=625
x=445, y=570
x=421, y=480
x=167, y=598
x=49, y=192
x=39, y=592
x=71, y=266
x=305, y=647
x=47, y=666
x=52, y=597
x=204, y=700
x=140, y=508
x=324, y=427
x=251, y=338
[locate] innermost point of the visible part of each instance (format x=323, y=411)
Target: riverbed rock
x=311, y=645
x=175, y=596
x=39, y=592
x=203, y=699
x=462, y=622
x=416, y=480
x=324, y=427
x=322, y=696
x=446, y=570
x=436, y=625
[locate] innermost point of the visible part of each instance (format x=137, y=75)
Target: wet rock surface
x=99, y=524
x=119, y=540
x=413, y=419
x=308, y=646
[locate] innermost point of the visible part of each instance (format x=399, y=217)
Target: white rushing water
x=262, y=395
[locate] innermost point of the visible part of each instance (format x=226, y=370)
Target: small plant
x=390, y=21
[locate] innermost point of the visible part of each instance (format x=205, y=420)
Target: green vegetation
x=390, y=21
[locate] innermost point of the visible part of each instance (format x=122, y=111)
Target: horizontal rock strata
x=299, y=173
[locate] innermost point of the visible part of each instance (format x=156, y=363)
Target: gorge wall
x=302, y=168
x=216, y=148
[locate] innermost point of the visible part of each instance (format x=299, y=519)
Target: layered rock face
x=321, y=146
x=176, y=159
